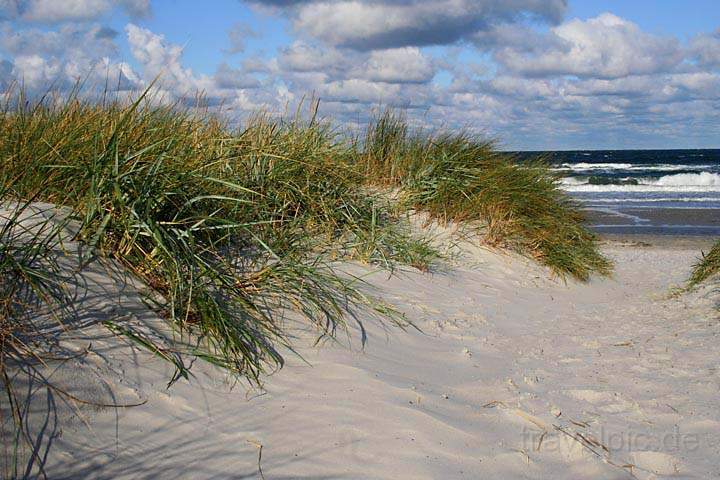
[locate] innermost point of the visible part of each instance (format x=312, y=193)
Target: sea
x=657, y=192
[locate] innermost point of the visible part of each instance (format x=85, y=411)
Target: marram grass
x=230, y=227
x=707, y=267
x=458, y=177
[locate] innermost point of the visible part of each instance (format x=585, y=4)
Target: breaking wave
x=681, y=182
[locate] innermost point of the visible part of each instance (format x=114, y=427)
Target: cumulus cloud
x=162, y=60
x=303, y=57
x=68, y=40
x=606, y=46
x=359, y=91
x=55, y=11
x=372, y=24
x=37, y=73
x=705, y=48
x=489, y=65
x=136, y=8
x=41, y=58
x=227, y=77
x=399, y=65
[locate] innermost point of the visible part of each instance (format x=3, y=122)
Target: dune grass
x=708, y=266
x=232, y=227
x=461, y=178
x=228, y=227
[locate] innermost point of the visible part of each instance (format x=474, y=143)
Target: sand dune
x=510, y=375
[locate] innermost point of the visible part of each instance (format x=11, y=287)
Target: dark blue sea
x=675, y=192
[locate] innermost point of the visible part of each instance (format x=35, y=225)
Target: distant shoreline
x=601, y=150
x=667, y=242
x=660, y=222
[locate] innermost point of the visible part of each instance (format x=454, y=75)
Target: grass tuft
x=229, y=228
x=461, y=178
x=707, y=267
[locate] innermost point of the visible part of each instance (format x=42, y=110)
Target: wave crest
x=702, y=178
x=681, y=182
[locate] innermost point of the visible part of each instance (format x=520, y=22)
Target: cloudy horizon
x=536, y=75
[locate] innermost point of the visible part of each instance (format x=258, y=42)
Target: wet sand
x=683, y=222
x=667, y=242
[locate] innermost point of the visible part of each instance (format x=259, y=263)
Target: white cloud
x=68, y=40
x=361, y=91
x=399, y=65
x=368, y=24
x=162, y=60
x=55, y=11
x=705, y=49
x=137, y=8
x=302, y=57
x=34, y=71
x=606, y=46
x=227, y=77
x=238, y=35
x=503, y=76
x=36, y=74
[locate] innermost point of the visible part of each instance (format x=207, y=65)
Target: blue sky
x=534, y=74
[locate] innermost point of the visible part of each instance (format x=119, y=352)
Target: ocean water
x=675, y=192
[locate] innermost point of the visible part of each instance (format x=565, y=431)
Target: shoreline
x=654, y=222
x=660, y=241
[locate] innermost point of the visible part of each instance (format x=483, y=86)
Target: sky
x=531, y=74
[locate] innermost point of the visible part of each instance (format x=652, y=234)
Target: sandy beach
x=359, y=239
x=509, y=374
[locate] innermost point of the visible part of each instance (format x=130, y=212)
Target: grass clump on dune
x=229, y=227
x=458, y=177
x=707, y=267
x=232, y=227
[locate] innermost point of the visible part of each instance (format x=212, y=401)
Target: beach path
x=509, y=374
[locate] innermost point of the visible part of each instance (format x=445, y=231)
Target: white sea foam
x=640, y=188
x=682, y=179
x=595, y=166
x=681, y=182
x=660, y=167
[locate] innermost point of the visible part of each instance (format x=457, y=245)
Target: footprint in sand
x=602, y=401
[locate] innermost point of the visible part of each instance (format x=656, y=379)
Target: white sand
x=506, y=357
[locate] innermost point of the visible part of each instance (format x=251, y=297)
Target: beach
x=359, y=239
x=643, y=192
x=509, y=373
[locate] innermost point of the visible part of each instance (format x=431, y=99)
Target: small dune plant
x=708, y=267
